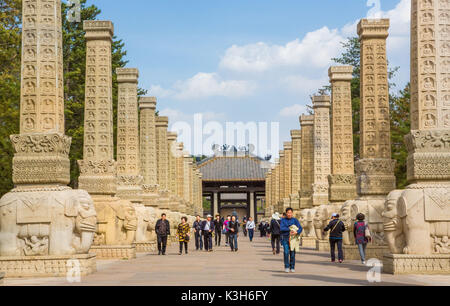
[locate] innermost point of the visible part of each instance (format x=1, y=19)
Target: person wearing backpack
x=362, y=236
x=275, y=233
x=336, y=228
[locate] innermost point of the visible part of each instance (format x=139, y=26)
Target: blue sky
x=244, y=60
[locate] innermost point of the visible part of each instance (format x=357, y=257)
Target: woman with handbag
x=362, y=235
x=183, y=234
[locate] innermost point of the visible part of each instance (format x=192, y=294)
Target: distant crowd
x=284, y=230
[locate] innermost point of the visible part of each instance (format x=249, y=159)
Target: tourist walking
x=162, y=230
x=207, y=230
x=183, y=234
x=275, y=232
x=233, y=227
x=336, y=228
x=218, y=226
x=227, y=232
x=263, y=228
x=197, y=226
x=244, y=226
x=250, y=226
x=361, y=232
x=285, y=233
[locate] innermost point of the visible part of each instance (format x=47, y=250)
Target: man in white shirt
x=251, y=228
x=207, y=230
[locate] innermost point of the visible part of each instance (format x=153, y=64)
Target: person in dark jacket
x=207, y=231
x=197, y=226
x=162, y=230
x=263, y=229
x=275, y=232
x=285, y=233
x=336, y=228
x=233, y=227
x=218, y=226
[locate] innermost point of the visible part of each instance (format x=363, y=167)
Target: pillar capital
x=373, y=28
x=296, y=134
x=127, y=75
x=147, y=102
x=162, y=122
x=306, y=120
x=98, y=29
x=340, y=73
x=321, y=101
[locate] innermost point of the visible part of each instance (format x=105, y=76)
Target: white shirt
x=251, y=225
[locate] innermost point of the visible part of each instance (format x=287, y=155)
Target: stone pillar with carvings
x=128, y=161
x=287, y=174
x=179, y=159
x=268, y=193
x=172, y=173
x=187, y=181
x=375, y=169
x=117, y=222
x=277, y=183
x=148, y=158
x=296, y=136
x=307, y=161
x=44, y=223
x=421, y=245
x=162, y=159
x=342, y=179
x=322, y=149
x=281, y=181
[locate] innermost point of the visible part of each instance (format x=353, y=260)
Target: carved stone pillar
x=296, y=137
x=44, y=223
x=162, y=153
x=187, y=181
x=277, y=183
x=148, y=158
x=307, y=161
x=375, y=169
x=281, y=178
x=117, y=224
x=128, y=157
x=342, y=179
x=98, y=167
x=421, y=244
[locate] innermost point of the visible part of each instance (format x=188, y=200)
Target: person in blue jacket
x=289, y=256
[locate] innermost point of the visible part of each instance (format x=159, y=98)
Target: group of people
x=204, y=231
x=286, y=230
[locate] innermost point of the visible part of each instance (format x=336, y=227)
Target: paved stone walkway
x=253, y=265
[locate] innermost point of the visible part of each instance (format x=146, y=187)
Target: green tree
x=400, y=126
x=10, y=52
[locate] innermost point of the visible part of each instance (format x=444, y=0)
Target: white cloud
x=315, y=50
x=293, y=111
x=206, y=85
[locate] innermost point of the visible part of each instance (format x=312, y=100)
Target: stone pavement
x=253, y=265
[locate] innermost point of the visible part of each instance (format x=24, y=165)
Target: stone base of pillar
x=351, y=252
x=114, y=251
x=322, y=245
x=342, y=187
x=130, y=188
x=294, y=201
x=309, y=242
x=375, y=176
x=98, y=177
x=146, y=247
x=416, y=264
x=47, y=266
x=306, y=201
x=320, y=194
x=2, y=276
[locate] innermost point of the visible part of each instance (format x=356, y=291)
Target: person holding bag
x=362, y=235
x=336, y=228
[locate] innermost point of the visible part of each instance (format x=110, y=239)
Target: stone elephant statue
x=47, y=223
x=413, y=217
x=307, y=222
x=117, y=222
x=320, y=221
x=146, y=221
